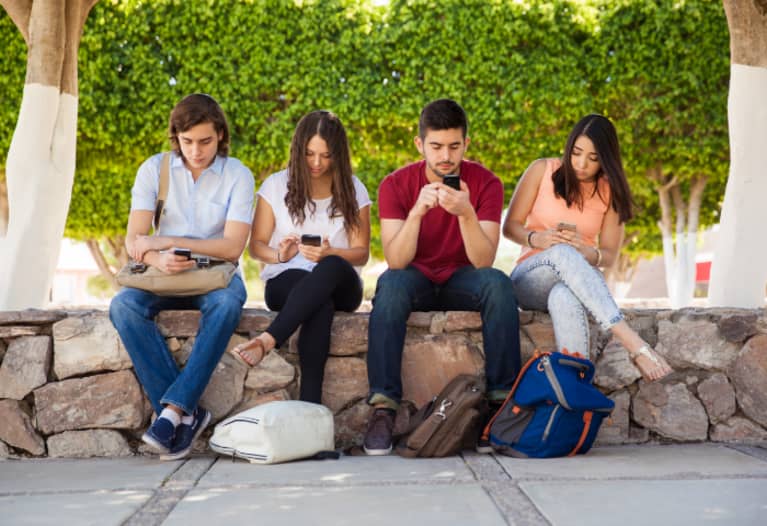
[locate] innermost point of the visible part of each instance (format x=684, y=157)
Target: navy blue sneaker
x=187, y=434
x=160, y=435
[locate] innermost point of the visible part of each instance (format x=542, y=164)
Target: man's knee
x=496, y=286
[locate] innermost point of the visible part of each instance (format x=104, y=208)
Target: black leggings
x=310, y=299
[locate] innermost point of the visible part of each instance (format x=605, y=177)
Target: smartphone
x=452, y=180
x=137, y=267
x=311, y=240
x=185, y=252
x=566, y=226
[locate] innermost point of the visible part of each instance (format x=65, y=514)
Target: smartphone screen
x=311, y=240
x=453, y=181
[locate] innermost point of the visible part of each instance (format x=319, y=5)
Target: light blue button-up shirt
x=196, y=209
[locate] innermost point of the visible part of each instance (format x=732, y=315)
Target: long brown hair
x=602, y=133
x=194, y=109
x=344, y=198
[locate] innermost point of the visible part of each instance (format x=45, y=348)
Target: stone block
x=540, y=334
x=718, y=397
x=694, y=344
x=431, y=361
x=749, y=375
x=251, y=398
x=670, y=410
x=18, y=331
x=87, y=344
x=738, y=429
x=738, y=327
x=3, y=348
x=91, y=443
x=112, y=400
x=349, y=334
x=346, y=381
x=615, y=430
x=179, y=323
x=350, y=424
x=438, y=321
x=31, y=317
x=462, y=321
x=5, y=452
x=254, y=321
x=421, y=320
x=273, y=373
x=17, y=430
x=25, y=367
x=614, y=368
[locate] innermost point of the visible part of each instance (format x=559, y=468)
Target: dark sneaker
x=160, y=435
x=186, y=434
x=378, y=436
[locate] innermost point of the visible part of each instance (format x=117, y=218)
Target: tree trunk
x=680, y=246
x=739, y=272
x=41, y=160
x=3, y=208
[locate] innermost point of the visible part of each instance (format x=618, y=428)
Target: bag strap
x=162, y=192
x=421, y=436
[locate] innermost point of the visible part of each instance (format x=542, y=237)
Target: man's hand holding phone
x=175, y=260
x=456, y=199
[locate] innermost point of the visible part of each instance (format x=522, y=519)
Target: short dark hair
x=194, y=109
x=442, y=114
x=602, y=133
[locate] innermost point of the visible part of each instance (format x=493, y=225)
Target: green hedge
x=525, y=72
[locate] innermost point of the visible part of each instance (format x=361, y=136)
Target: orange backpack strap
x=586, y=427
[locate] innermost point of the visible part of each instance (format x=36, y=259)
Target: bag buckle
x=442, y=407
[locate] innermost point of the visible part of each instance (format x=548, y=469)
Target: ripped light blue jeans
x=560, y=280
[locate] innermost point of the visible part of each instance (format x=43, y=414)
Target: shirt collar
x=217, y=167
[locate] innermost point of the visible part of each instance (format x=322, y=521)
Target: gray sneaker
x=378, y=439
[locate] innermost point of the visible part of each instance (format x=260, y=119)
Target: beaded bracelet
x=529, y=236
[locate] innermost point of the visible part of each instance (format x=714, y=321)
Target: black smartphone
x=452, y=180
x=311, y=239
x=185, y=252
x=137, y=267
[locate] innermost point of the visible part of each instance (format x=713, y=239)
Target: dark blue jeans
x=400, y=292
x=132, y=312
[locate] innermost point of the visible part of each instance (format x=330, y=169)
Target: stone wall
x=67, y=388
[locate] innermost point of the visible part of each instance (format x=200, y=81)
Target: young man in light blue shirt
x=208, y=210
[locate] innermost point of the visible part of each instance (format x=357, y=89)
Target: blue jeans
x=399, y=292
x=132, y=312
x=560, y=280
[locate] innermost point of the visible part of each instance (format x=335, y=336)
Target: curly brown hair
x=344, y=198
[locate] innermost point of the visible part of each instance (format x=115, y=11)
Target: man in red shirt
x=440, y=243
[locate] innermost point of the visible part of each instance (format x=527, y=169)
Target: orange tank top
x=549, y=210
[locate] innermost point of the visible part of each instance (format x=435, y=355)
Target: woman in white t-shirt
x=317, y=195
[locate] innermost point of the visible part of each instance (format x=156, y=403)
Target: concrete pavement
x=626, y=485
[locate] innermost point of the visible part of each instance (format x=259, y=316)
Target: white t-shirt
x=273, y=190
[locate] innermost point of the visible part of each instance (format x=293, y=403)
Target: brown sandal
x=657, y=367
x=247, y=354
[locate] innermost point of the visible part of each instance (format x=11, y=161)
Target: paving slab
x=345, y=471
x=70, y=475
x=625, y=462
x=436, y=505
x=736, y=502
x=102, y=508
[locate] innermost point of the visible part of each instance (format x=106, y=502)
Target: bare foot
x=250, y=352
x=651, y=364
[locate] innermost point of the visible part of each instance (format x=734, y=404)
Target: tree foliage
x=524, y=71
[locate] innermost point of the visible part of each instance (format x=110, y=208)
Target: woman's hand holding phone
x=316, y=248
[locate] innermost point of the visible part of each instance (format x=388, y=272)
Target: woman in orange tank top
x=568, y=215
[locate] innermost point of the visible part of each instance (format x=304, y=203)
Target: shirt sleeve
x=241, y=200
x=268, y=189
x=490, y=203
x=389, y=204
x=363, y=199
x=146, y=185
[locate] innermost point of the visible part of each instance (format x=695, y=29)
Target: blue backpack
x=552, y=410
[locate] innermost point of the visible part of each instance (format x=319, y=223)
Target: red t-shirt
x=440, y=249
